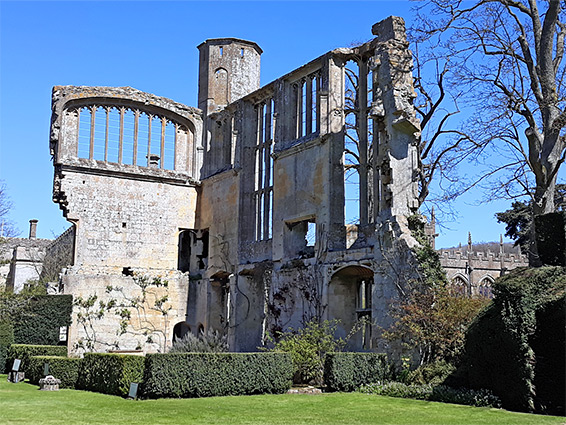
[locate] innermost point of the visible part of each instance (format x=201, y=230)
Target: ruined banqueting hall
x=262, y=208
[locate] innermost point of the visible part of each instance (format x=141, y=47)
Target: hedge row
x=110, y=373
x=216, y=374
x=64, y=368
x=24, y=352
x=347, y=371
x=441, y=393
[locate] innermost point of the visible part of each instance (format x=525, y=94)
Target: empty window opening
x=127, y=271
x=123, y=225
x=307, y=107
x=184, y=251
x=242, y=52
x=126, y=136
x=363, y=311
x=300, y=239
x=263, y=172
x=203, y=256
x=361, y=185
x=221, y=51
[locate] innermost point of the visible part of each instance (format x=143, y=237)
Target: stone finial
x=392, y=28
x=33, y=229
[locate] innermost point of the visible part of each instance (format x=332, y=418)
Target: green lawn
x=24, y=404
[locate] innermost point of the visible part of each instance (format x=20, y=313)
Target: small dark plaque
x=133, y=390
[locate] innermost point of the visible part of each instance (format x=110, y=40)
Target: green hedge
x=24, y=352
x=347, y=371
x=6, y=339
x=39, y=322
x=110, y=373
x=216, y=374
x=441, y=393
x=501, y=349
x=64, y=368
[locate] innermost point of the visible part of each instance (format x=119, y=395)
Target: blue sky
x=151, y=46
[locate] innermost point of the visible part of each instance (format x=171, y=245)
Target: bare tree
x=504, y=61
x=7, y=228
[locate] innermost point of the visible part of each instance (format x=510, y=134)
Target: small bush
x=308, y=346
x=216, y=374
x=64, y=368
x=110, y=373
x=347, y=371
x=24, y=352
x=6, y=339
x=211, y=342
x=441, y=393
x=432, y=373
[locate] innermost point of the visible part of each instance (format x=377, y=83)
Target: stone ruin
x=263, y=208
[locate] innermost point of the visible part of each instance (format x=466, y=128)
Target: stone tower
x=228, y=70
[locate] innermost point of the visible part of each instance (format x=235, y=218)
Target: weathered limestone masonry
x=126, y=206
x=242, y=205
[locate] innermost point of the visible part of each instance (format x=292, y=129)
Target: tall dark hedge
x=39, y=322
x=110, y=373
x=6, y=339
x=520, y=329
x=551, y=238
x=347, y=371
x=216, y=374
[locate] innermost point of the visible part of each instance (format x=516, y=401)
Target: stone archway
x=350, y=301
x=180, y=330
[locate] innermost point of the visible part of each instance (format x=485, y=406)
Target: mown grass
x=24, y=404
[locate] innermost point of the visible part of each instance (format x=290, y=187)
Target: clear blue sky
x=151, y=46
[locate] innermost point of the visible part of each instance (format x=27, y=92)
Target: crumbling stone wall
x=251, y=209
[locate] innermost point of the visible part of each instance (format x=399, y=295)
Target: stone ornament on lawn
x=49, y=383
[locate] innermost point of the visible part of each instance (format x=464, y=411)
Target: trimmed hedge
x=110, y=373
x=347, y=371
x=441, y=393
x=64, y=368
x=507, y=344
x=6, y=339
x=39, y=322
x=25, y=351
x=216, y=374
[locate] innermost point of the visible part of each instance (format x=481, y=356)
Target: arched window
x=459, y=285
x=484, y=288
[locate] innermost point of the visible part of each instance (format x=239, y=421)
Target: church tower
x=228, y=70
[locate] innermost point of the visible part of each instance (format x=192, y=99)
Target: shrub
x=432, y=373
x=24, y=352
x=110, y=373
x=6, y=339
x=501, y=344
x=441, y=393
x=39, y=322
x=64, y=368
x=211, y=342
x=216, y=374
x=347, y=371
x=307, y=347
